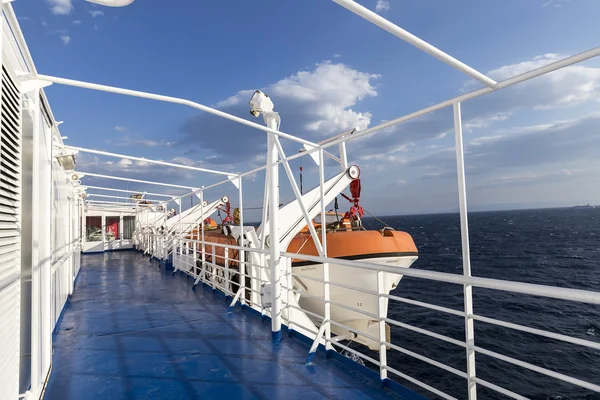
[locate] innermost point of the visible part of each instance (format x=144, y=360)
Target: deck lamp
x=112, y=3
x=260, y=103
x=66, y=158
x=66, y=161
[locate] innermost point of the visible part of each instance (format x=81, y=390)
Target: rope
x=384, y=224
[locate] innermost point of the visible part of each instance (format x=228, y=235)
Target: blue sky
x=327, y=70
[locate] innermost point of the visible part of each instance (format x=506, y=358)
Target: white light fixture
x=65, y=157
x=260, y=103
x=76, y=176
x=67, y=161
x=112, y=3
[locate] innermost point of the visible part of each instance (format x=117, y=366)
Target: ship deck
x=134, y=330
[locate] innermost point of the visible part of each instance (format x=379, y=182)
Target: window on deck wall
x=128, y=226
x=93, y=229
x=112, y=228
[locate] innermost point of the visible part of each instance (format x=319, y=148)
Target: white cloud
x=327, y=95
x=66, y=39
x=43, y=22
x=61, y=7
x=127, y=140
x=124, y=163
x=555, y=3
x=313, y=103
x=24, y=18
x=184, y=161
x=336, y=55
x=77, y=22
x=480, y=123
x=96, y=13
x=382, y=5
x=119, y=128
x=323, y=97
x=236, y=99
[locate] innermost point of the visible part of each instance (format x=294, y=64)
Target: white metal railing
x=217, y=272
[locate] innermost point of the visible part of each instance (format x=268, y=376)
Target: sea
x=557, y=247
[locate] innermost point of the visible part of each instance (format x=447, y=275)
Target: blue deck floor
x=133, y=330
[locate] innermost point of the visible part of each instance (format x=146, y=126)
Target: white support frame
x=132, y=200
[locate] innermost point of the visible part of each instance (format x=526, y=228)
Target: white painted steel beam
x=275, y=254
x=414, y=40
x=111, y=202
x=466, y=254
x=123, y=198
x=149, y=161
x=128, y=191
x=169, y=99
x=296, y=190
x=136, y=180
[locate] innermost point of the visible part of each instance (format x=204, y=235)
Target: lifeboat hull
x=349, y=306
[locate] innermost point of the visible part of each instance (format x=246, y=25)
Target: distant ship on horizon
x=588, y=205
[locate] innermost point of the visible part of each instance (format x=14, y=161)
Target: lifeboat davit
x=346, y=240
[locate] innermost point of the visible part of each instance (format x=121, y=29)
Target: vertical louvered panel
x=10, y=240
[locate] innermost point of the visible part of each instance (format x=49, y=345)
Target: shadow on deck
x=133, y=330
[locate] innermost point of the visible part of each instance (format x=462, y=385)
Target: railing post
x=289, y=283
x=381, y=309
x=194, y=254
x=226, y=272
x=326, y=286
x=464, y=234
x=203, y=246
x=213, y=260
x=187, y=252
x=272, y=120
x=242, y=253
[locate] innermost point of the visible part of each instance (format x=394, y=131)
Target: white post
x=186, y=252
x=241, y=253
x=194, y=251
x=271, y=119
x=343, y=156
x=381, y=308
x=226, y=271
x=464, y=234
x=213, y=261
x=202, y=227
x=326, y=293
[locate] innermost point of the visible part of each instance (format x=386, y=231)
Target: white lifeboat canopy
x=112, y=3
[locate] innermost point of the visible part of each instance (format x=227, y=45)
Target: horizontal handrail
x=427, y=360
x=419, y=383
x=541, y=370
x=578, y=295
x=584, y=296
x=426, y=305
x=426, y=332
x=499, y=389
x=539, y=332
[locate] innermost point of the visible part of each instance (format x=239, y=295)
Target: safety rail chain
x=187, y=252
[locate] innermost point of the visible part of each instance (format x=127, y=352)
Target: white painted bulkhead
x=39, y=228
